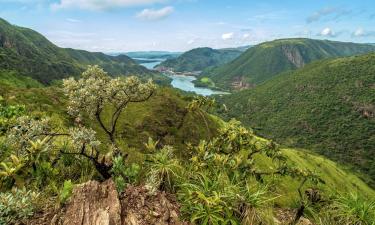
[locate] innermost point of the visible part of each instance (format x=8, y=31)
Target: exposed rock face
x=92, y=203
x=95, y=203
x=141, y=208
x=293, y=55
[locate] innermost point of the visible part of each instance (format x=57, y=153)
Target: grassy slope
x=162, y=117
x=268, y=59
x=200, y=58
x=30, y=54
x=159, y=117
x=12, y=79
x=327, y=106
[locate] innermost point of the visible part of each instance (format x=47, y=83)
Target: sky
x=180, y=25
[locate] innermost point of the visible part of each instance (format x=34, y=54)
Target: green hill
x=153, y=119
x=201, y=58
x=30, y=54
x=327, y=106
x=268, y=59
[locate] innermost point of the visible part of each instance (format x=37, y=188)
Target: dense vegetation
x=260, y=63
x=200, y=58
x=30, y=54
x=327, y=106
x=138, y=134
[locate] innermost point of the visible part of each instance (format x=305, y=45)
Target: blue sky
x=179, y=25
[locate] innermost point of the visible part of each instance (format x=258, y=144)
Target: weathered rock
x=141, y=208
x=93, y=203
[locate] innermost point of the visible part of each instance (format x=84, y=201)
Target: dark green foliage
x=328, y=106
x=262, y=62
x=200, y=58
x=30, y=54
x=12, y=79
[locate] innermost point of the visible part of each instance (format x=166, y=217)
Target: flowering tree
x=91, y=95
x=96, y=90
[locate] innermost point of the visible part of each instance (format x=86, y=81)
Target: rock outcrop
x=92, y=203
x=95, y=203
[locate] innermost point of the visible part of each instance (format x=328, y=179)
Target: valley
x=227, y=124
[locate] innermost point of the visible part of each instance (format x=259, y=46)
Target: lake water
x=182, y=82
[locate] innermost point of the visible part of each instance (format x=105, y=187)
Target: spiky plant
x=353, y=209
x=163, y=168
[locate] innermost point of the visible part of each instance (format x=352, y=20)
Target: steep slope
x=200, y=58
x=268, y=59
x=328, y=106
x=30, y=54
x=153, y=118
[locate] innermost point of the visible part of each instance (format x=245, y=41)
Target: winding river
x=182, y=82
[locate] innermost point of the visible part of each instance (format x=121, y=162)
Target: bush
x=17, y=205
x=124, y=174
x=66, y=191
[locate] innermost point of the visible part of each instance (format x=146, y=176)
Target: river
x=182, y=82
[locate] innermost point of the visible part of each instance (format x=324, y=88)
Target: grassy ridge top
x=262, y=62
x=327, y=106
x=201, y=58
x=31, y=54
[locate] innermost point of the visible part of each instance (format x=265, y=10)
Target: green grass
x=12, y=79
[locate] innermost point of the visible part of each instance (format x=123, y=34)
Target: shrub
x=124, y=174
x=17, y=205
x=66, y=191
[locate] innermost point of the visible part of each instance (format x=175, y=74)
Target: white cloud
x=227, y=36
x=192, y=41
x=359, y=32
x=245, y=36
x=328, y=32
x=155, y=14
x=101, y=4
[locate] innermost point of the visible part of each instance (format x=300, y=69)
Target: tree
x=95, y=92
x=199, y=105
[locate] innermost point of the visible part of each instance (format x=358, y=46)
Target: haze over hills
x=328, y=106
x=268, y=59
x=30, y=54
x=153, y=54
x=199, y=59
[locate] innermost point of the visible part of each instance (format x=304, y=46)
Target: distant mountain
x=268, y=59
x=31, y=54
x=328, y=106
x=241, y=48
x=199, y=59
x=153, y=54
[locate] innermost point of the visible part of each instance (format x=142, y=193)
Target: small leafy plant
x=66, y=191
x=17, y=205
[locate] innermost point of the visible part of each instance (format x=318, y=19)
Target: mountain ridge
x=268, y=59
x=327, y=106
x=31, y=54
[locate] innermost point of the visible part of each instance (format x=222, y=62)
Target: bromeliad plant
x=222, y=183
x=216, y=187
